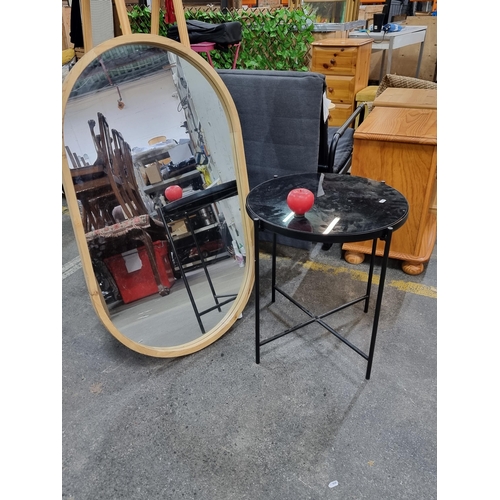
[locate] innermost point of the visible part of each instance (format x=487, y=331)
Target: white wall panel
x=102, y=21
x=150, y=110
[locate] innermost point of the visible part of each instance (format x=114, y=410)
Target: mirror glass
x=143, y=126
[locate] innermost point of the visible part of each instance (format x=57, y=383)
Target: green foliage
x=271, y=39
x=140, y=20
x=277, y=39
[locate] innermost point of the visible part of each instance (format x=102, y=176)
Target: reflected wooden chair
x=90, y=182
x=120, y=211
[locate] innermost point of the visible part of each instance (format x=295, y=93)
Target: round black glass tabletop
x=346, y=208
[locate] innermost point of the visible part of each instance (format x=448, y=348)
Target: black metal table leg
x=273, y=271
x=257, y=289
x=183, y=274
x=378, y=305
x=202, y=260
x=370, y=275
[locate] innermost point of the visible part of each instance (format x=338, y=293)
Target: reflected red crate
x=133, y=274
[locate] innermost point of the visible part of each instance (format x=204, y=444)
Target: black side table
x=346, y=209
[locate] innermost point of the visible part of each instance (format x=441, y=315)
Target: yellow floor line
x=404, y=286
x=416, y=288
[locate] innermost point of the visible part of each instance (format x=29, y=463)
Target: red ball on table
x=173, y=193
x=300, y=200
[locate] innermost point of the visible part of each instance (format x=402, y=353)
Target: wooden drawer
x=338, y=116
x=340, y=89
x=334, y=60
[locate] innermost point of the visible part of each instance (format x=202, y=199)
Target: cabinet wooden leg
x=412, y=268
x=354, y=257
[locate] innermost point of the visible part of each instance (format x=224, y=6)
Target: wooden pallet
x=66, y=19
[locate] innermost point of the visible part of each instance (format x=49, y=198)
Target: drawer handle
x=330, y=90
x=325, y=66
x=332, y=61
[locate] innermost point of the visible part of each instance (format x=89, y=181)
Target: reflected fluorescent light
x=331, y=225
x=288, y=217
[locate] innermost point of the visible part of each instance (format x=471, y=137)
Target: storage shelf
x=220, y=256
x=196, y=231
x=327, y=27
x=160, y=186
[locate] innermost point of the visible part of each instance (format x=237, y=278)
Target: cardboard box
x=144, y=176
x=153, y=173
x=133, y=274
x=178, y=227
x=366, y=13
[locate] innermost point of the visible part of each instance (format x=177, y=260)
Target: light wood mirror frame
x=236, y=141
x=121, y=11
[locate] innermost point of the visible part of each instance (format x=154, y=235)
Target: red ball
x=173, y=193
x=300, y=200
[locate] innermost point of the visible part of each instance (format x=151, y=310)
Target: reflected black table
x=182, y=209
x=346, y=209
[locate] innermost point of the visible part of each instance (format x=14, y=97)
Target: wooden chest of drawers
x=399, y=146
x=346, y=65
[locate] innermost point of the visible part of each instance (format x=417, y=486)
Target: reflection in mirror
x=140, y=121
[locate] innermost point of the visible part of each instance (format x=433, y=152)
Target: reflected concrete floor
x=170, y=321
x=214, y=425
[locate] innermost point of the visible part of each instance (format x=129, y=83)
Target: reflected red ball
x=173, y=193
x=300, y=200
x=300, y=224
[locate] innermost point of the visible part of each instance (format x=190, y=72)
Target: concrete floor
x=155, y=320
x=216, y=426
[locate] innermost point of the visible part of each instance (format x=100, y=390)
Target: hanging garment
x=75, y=25
x=169, y=17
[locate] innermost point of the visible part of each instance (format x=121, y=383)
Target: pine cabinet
x=399, y=146
x=346, y=65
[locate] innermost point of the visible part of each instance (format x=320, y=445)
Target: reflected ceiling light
x=331, y=225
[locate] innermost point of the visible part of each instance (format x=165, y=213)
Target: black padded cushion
x=281, y=121
x=280, y=115
x=343, y=150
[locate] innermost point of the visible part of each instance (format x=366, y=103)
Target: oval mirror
x=146, y=120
